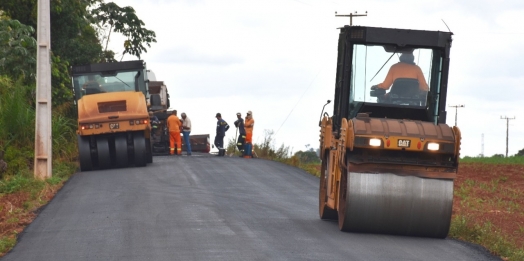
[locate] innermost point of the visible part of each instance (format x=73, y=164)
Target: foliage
x=309, y=156
x=485, y=235
x=124, y=20
x=520, y=153
x=495, y=159
x=16, y=114
x=17, y=50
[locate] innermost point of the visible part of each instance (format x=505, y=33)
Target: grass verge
x=21, y=195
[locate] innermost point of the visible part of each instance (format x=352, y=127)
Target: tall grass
x=17, y=116
x=17, y=128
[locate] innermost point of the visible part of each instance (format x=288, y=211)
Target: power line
x=298, y=101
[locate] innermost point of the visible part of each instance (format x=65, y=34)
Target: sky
x=277, y=58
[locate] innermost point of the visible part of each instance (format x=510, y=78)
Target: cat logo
x=404, y=143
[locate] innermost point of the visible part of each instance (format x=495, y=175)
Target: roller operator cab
x=388, y=157
x=113, y=121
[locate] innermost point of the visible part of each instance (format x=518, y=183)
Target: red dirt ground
x=495, y=194
x=17, y=210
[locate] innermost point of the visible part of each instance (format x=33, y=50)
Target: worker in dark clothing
x=239, y=123
x=222, y=127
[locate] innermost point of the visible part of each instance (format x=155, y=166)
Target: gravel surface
x=205, y=207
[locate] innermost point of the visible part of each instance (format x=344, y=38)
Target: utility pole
x=351, y=15
x=456, y=109
x=43, y=142
x=507, y=130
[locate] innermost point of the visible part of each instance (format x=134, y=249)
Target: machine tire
x=104, y=155
x=139, y=148
x=149, y=151
x=122, y=159
x=84, y=152
x=325, y=212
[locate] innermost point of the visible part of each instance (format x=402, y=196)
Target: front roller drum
x=391, y=204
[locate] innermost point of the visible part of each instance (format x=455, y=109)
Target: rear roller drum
x=139, y=148
x=84, y=152
x=121, y=151
x=391, y=204
x=325, y=211
x=104, y=156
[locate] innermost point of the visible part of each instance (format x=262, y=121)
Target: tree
x=17, y=50
x=124, y=20
x=520, y=153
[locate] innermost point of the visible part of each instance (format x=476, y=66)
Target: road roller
x=388, y=157
x=113, y=120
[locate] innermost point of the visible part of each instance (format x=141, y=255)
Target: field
x=488, y=207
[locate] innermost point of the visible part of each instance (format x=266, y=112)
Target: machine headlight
x=374, y=142
x=433, y=146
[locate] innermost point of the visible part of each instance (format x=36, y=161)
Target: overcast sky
x=278, y=59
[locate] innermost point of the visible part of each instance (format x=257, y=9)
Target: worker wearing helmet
x=186, y=130
x=174, y=125
x=239, y=123
x=222, y=127
x=248, y=125
x=406, y=68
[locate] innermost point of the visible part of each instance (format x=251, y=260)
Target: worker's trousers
x=219, y=143
x=175, y=141
x=241, y=141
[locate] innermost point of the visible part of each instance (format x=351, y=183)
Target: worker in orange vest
x=406, y=68
x=248, y=125
x=175, y=126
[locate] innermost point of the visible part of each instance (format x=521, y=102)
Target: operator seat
x=406, y=91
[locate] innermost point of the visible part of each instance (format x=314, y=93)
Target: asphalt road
x=207, y=208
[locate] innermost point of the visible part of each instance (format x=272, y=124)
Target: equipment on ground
x=389, y=159
x=113, y=122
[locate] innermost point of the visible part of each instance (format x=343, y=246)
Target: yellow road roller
x=113, y=120
x=388, y=157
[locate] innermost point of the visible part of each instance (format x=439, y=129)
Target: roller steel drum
x=401, y=205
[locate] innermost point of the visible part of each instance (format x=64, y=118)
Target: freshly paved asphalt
x=207, y=208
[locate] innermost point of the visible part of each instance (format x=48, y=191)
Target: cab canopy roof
x=397, y=37
x=108, y=67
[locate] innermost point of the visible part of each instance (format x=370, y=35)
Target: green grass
x=6, y=243
x=494, y=160
x=485, y=235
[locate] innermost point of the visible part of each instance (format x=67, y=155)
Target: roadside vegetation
x=80, y=31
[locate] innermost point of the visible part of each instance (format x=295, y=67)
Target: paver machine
x=113, y=121
x=388, y=157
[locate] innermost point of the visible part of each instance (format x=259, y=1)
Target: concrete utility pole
x=351, y=15
x=43, y=142
x=456, y=109
x=507, y=130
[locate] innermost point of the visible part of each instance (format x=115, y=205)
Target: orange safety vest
x=404, y=70
x=173, y=123
x=248, y=125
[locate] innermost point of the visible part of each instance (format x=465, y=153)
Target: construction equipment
x=389, y=160
x=113, y=122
